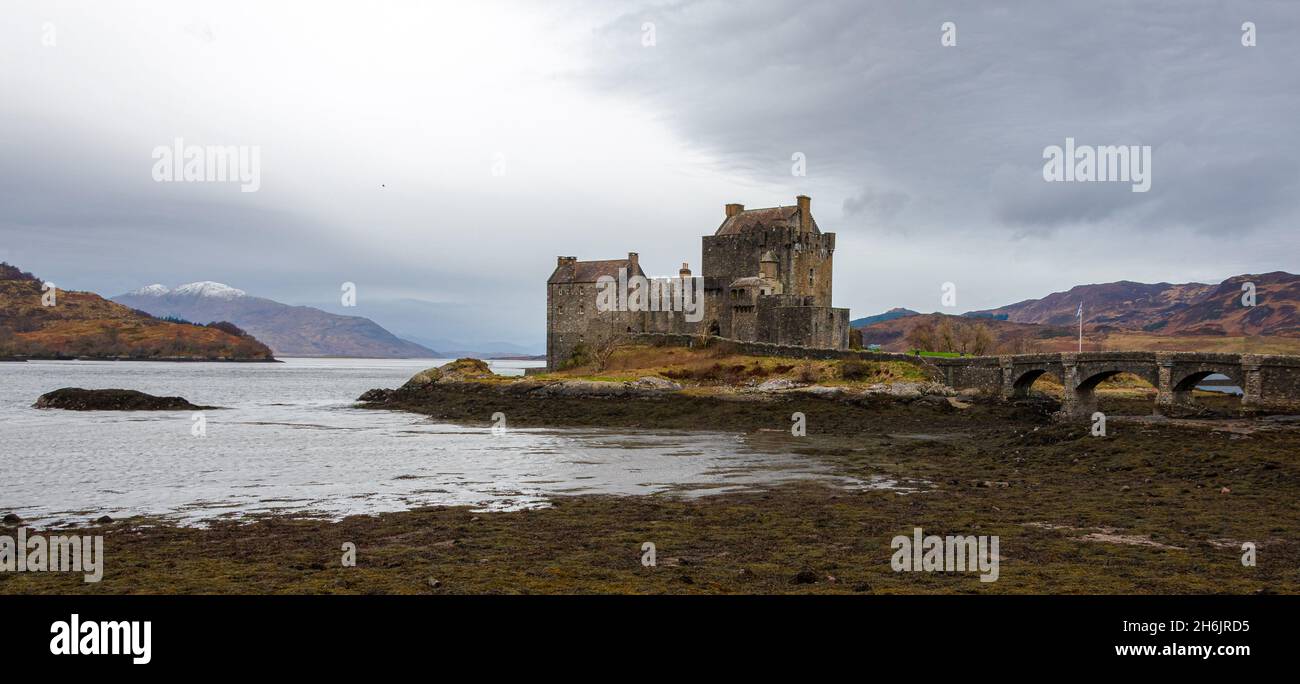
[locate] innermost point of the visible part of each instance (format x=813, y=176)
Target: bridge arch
x=1183, y=380
x=1024, y=379
x=1190, y=379
x=1088, y=376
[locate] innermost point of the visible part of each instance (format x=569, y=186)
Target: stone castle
x=766, y=278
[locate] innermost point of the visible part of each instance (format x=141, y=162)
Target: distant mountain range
x=890, y=315
x=1186, y=309
x=455, y=329
x=1123, y=314
x=288, y=330
x=85, y=325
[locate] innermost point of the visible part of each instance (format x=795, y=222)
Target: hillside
x=1165, y=309
x=1120, y=315
x=899, y=334
x=890, y=315
x=288, y=330
x=83, y=324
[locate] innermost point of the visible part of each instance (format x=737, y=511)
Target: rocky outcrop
x=78, y=399
x=472, y=374
x=376, y=395
x=459, y=370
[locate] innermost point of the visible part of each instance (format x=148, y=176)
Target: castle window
x=810, y=276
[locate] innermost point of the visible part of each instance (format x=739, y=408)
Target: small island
x=78, y=399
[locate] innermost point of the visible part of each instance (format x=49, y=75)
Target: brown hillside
x=1175, y=310
x=1028, y=338
x=1005, y=337
x=83, y=324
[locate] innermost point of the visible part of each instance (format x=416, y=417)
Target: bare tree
x=921, y=336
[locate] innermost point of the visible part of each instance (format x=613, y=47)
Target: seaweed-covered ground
x=1155, y=506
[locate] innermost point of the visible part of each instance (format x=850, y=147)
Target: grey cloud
x=941, y=146
x=866, y=91
x=882, y=204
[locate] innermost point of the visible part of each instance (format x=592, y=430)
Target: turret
x=767, y=265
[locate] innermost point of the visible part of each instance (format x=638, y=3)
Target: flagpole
x=1080, y=327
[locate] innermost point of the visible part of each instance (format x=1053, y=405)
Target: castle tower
x=788, y=235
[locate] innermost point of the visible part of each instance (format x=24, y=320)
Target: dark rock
x=376, y=395
x=861, y=587
x=103, y=520
x=433, y=583
x=77, y=399
x=746, y=574
x=12, y=518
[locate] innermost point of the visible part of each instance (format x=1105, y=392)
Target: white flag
x=1079, y=315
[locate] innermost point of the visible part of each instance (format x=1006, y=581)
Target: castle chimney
x=632, y=262
x=733, y=209
x=560, y=261
x=685, y=271
x=805, y=213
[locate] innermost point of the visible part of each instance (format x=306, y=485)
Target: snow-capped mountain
x=207, y=288
x=155, y=290
x=288, y=330
x=203, y=288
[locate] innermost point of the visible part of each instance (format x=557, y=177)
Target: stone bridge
x=1267, y=382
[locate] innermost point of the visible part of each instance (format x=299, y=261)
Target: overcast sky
x=379, y=125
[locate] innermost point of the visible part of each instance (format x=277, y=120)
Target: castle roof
x=751, y=281
x=573, y=271
x=758, y=219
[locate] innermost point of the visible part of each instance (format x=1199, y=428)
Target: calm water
x=288, y=440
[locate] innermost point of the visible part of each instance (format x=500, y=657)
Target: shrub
x=854, y=369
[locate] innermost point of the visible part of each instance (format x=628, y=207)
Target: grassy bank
x=719, y=366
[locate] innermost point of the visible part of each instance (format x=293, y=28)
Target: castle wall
x=572, y=319
x=789, y=320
